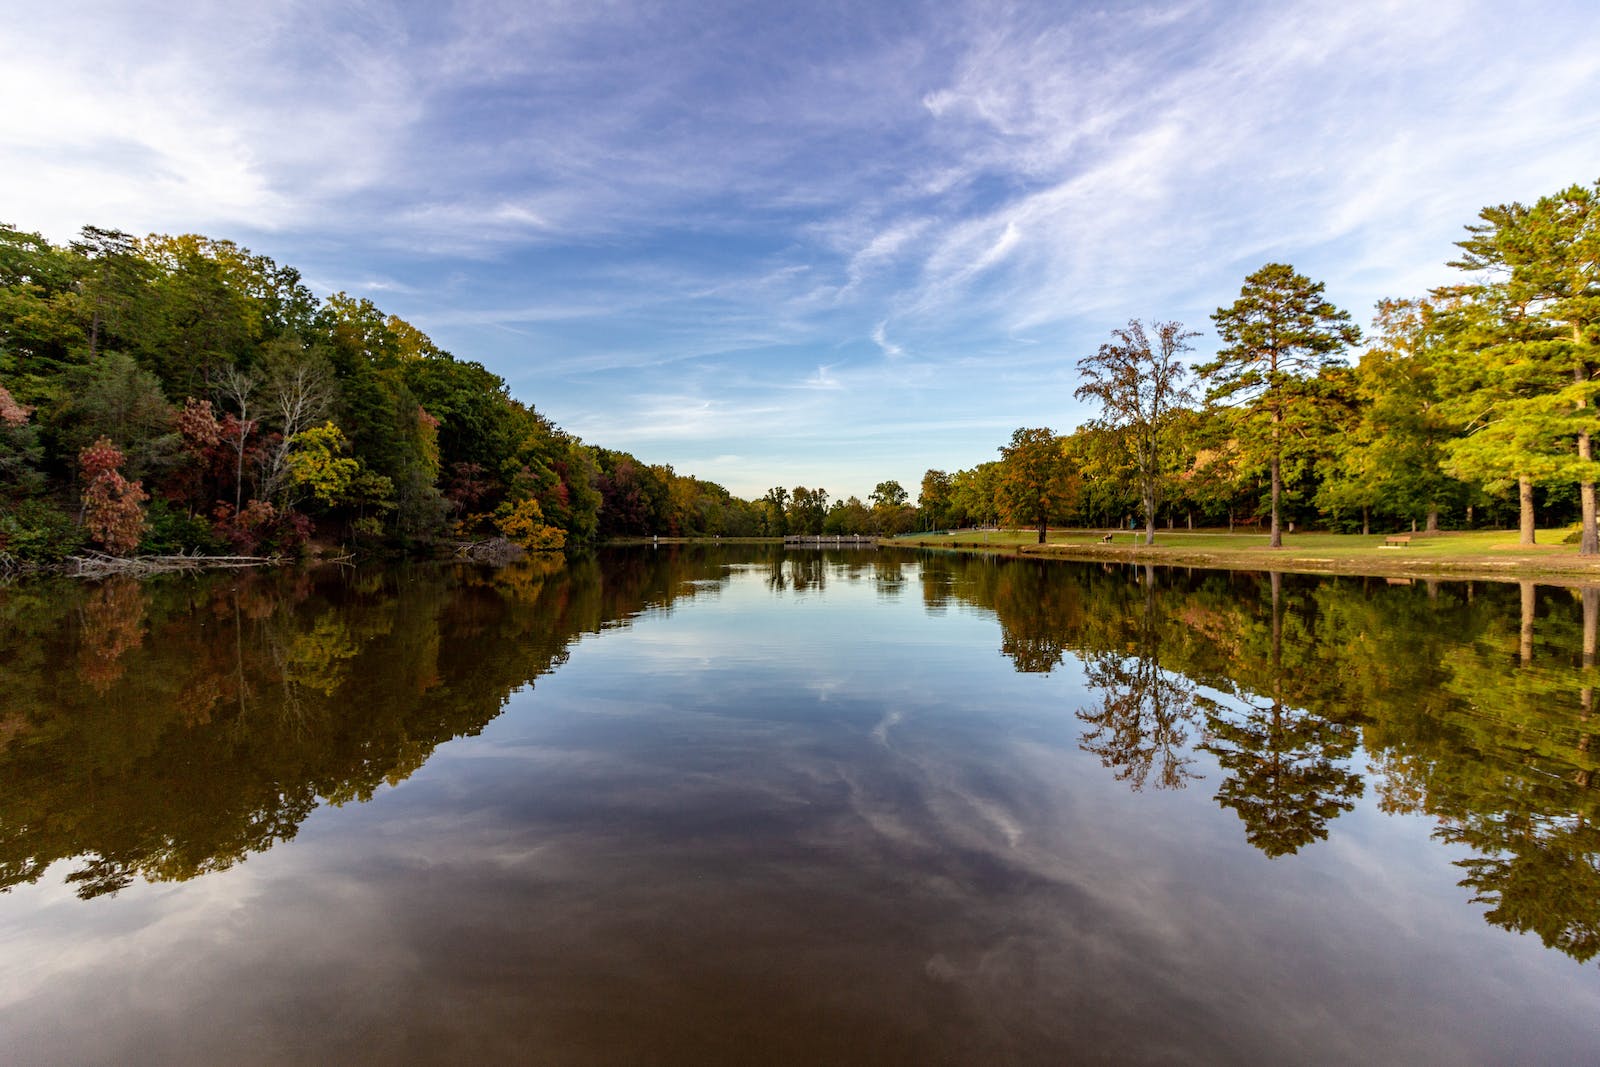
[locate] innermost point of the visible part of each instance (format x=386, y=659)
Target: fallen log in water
x=494, y=550
x=100, y=565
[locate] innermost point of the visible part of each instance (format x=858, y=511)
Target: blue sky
x=816, y=244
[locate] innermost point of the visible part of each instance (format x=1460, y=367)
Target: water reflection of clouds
x=642, y=861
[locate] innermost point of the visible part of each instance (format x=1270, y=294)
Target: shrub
x=36, y=532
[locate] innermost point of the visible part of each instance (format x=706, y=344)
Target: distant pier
x=849, y=541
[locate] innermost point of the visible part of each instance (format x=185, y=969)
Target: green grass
x=1488, y=552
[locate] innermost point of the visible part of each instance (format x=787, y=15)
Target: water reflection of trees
x=1142, y=722
x=1473, y=704
x=169, y=728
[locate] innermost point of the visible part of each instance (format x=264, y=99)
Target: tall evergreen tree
x=1278, y=335
x=1537, y=299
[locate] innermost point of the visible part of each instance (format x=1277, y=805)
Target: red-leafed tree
x=113, y=507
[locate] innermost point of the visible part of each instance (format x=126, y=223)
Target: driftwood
x=99, y=565
x=495, y=550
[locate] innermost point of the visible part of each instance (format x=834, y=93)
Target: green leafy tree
x=889, y=494
x=317, y=466
x=974, y=494
x=807, y=510
x=891, y=509
x=776, y=502
x=1277, y=337
x=41, y=313
x=116, y=398
x=934, y=502
x=847, y=518
x=1392, y=451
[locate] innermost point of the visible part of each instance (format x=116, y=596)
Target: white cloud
x=880, y=337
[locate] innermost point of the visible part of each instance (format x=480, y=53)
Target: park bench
x=1106, y=540
x=1397, y=541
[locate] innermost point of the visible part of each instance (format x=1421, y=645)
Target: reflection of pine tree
x=1282, y=778
x=1140, y=725
x=1536, y=877
x=1512, y=775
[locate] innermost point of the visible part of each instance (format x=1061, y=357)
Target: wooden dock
x=846, y=541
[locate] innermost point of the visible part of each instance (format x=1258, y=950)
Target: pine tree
x=1279, y=335
x=1537, y=304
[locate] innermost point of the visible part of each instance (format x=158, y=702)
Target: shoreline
x=1428, y=556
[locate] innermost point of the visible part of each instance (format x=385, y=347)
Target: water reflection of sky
x=773, y=826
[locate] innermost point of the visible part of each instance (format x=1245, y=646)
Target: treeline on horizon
x=181, y=394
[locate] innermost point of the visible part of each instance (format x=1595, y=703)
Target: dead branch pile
x=99, y=565
x=495, y=550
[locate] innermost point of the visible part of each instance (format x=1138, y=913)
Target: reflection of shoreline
x=199, y=721
x=163, y=729
x=1475, y=704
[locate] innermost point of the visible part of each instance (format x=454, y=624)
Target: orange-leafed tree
x=113, y=507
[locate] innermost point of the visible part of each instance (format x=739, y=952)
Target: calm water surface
x=699, y=806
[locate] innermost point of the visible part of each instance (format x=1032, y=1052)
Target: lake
x=742, y=805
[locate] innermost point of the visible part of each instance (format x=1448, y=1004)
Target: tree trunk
x=1366, y=520
x=1150, y=515
x=1277, y=623
x=1433, y=518
x=1277, y=487
x=238, y=473
x=1589, y=541
x=1526, y=635
x=1525, y=507
x=1042, y=527
x=1191, y=520
x=1591, y=627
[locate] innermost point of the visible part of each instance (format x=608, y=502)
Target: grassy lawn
x=1490, y=553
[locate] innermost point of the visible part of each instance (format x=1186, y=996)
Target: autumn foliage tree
x=1035, y=485
x=113, y=507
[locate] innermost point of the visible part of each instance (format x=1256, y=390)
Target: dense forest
x=168, y=394
x=172, y=394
